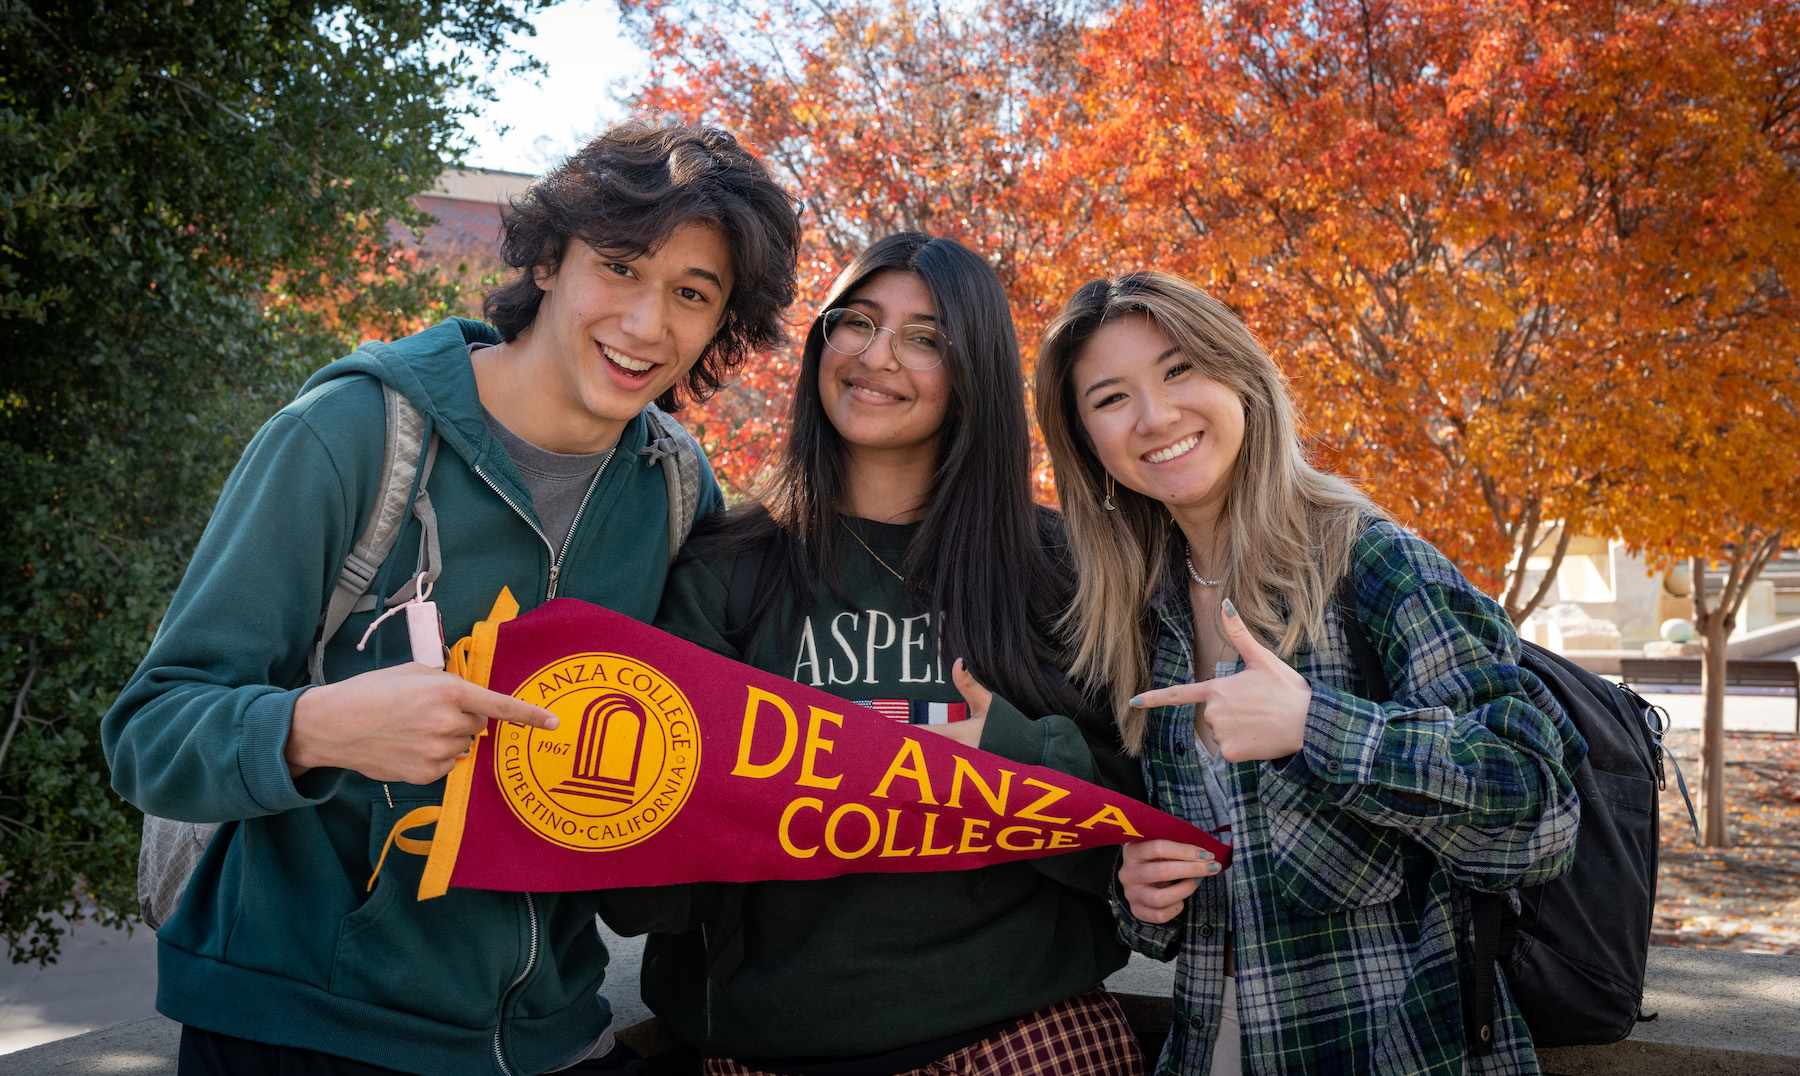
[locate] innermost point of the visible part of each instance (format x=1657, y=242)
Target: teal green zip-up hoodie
x=277, y=939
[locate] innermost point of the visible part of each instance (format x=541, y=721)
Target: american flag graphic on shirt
x=917, y=712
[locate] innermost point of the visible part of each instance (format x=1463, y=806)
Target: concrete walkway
x=1721, y=1013
x=105, y=977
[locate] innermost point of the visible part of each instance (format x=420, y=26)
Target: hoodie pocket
x=447, y=959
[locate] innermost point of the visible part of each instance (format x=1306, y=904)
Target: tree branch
x=1732, y=594
x=75, y=529
x=261, y=129
x=204, y=96
x=1758, y=557
x=1543, y=587
x=1526, y=543
x=18, y=714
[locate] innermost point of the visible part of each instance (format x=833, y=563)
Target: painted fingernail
x=1137, y=701
x=1230, y=609
x=1212, y=868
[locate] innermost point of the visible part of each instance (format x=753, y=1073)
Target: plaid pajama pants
x=1084, y=1036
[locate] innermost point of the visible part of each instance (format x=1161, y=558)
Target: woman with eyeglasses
x=895, y=558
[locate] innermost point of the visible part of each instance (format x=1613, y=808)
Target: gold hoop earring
x=1108, y=502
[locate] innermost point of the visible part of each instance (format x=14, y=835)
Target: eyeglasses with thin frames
x=916, y=347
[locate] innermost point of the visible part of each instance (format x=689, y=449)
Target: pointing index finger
x=1177, y=695
x=506, y=708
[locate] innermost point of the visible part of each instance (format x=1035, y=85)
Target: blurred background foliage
x=200, y=203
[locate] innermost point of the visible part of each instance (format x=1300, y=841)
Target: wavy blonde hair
x=1290, y=527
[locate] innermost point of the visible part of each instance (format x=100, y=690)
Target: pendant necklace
x=885, y=564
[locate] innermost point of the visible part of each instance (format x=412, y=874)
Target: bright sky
x=548, y=116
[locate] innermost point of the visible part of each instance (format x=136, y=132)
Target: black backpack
x=1574, y=955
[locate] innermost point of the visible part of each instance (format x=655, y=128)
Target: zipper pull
x=555, y=570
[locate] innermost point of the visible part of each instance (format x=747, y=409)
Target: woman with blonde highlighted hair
x=1217, y=572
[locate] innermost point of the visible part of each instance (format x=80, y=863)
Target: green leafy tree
x=198, y=205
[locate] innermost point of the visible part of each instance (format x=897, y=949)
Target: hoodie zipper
x=530, y=962
x=556, y=555
x=556, y=560
x=556, y=565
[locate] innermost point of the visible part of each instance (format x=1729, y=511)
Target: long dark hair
x=623, y=193
x=985, y=554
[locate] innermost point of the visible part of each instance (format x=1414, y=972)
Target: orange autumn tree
x=1726, y=493
x=393, y=293
x=1527, y=264
x=880, y=117
x=1707, y=463
x=1437, y=213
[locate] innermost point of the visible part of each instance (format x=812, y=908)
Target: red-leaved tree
x=881, y=117
x=1468, y=230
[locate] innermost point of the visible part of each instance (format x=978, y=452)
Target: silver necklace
x=1196, y=573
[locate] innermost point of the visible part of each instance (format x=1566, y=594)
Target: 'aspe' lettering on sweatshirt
x=870, y=646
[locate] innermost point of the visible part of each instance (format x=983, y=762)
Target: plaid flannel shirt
x=1348, y=903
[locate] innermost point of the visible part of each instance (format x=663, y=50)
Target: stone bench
x=1783, y=676
x=1717, y=1013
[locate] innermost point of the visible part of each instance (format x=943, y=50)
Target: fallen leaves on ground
x=1746, y=897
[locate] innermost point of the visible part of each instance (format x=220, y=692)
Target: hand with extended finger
x=402, y=723
x=1159, y=876
x=1258, y=713
x=978, y=698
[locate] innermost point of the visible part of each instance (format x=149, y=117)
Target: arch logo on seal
x=618, y=766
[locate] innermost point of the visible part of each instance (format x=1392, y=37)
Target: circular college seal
x=620, y=762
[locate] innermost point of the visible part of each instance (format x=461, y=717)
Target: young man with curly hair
x=648, y=266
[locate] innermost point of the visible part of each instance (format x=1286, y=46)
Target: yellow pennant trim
x=413, y=819
x=473, y=660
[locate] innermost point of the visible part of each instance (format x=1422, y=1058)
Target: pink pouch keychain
x=423, y=627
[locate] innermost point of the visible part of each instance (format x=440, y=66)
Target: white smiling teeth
x=1164, y=455
x=636, y=366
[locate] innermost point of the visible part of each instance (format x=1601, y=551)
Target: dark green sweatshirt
x=277, y=939
x=870, y=963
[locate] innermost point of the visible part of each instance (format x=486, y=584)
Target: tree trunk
x=1714, y=623
x=1712, y=728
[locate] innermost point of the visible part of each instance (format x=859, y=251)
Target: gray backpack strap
x=400, y=472
x=431, y=555
x=678, y=452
